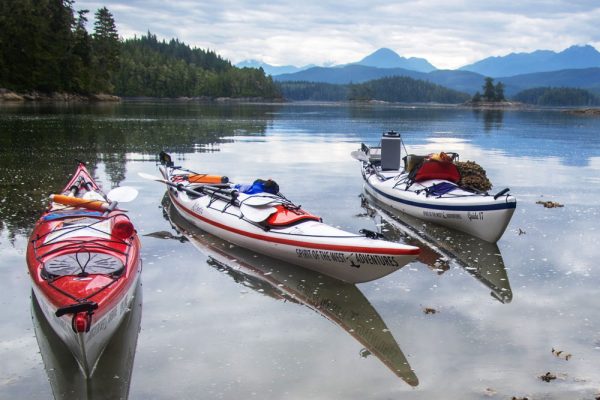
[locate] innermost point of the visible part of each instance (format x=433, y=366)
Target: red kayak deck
x=83, y=261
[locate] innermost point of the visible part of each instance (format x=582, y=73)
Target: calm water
x=218, y=322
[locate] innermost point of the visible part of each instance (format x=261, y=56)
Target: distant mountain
x=386, y=58
x=588, y=78
x=272, y=69
x=464, y=81
x=575, y=57
x=351, y=73
x=382, y=58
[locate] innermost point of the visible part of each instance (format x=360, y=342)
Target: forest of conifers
x=45, y=46
x=399, y=89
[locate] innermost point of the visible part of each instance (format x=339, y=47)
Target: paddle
x=118, y=195
x=122, y=194
x=361, y=156
x=152, y=177
x=181, y=187
x=256, y=212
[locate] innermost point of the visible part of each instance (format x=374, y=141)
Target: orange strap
x=79, y=202
x=204, y=178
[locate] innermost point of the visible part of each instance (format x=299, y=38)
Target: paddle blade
x=150, y=177
x=360, y=156
x=256, y=214
x=122, y=194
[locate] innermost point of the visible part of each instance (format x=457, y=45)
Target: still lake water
x=218, y=322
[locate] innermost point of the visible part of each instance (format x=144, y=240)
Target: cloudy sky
x=448, y=33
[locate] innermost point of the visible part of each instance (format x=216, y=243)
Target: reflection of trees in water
x=492, y=119
x=39, y=144
x=115, y=167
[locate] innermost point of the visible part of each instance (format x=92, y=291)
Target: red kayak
x=84, y=261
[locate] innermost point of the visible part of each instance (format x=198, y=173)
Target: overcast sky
x=448, y=33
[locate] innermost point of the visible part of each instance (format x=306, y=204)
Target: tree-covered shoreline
x=399, y=89
x=47, y=53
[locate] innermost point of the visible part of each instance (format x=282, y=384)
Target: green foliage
x=404, y=89
x=45, y=46
x=561, y=96
x=315, y=91
x=392, y=89
x=172, y=69
x=491, y=93
x=499, y=92
x=106, y=51
x=34, y=40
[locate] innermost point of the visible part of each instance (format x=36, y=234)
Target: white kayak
x=270, y=224
x=440, y=201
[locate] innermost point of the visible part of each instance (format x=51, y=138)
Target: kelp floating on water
x=549, y=204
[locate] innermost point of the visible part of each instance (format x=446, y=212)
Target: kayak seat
x=289, y=216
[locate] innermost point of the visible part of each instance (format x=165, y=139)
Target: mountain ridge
x=465, y=81
x=573, y=57
x=386, y=58
x=380, y=58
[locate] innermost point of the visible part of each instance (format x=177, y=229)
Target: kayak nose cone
x=81, y=323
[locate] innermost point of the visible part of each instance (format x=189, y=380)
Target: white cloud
x=449, y=33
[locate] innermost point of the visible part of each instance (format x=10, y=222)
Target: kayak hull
x=479, y=215
x=310, y=243
x=84, y=273
x=86, y=347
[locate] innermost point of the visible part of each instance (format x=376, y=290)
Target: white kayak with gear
x=270, y=224
x=435, y=196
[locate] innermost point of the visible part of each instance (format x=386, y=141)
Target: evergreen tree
x=45, y=46
x=562, y=96
x=489, y=91
x=404, y=90
x=476, y=97
x=82, y=55
x=499, y=92
x=34, y=43
x=106, y=49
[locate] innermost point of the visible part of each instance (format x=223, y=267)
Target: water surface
x=220, y=322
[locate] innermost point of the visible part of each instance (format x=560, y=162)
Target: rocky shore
x=585, y=111
x=495, y=105
x=10, y=96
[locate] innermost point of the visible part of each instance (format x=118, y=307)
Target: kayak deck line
x=487, y=207
x=297, y=243
x=432, y=188
x=243, y=215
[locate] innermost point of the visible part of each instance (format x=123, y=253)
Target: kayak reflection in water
x=483, y=260
x=342, y=303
